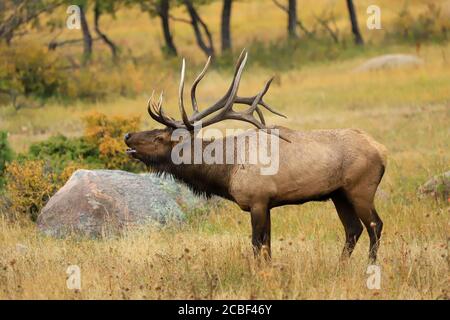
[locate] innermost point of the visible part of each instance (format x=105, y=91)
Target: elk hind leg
x=352, y=225
x=366, y=211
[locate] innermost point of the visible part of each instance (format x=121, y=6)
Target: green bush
x=102, y=146
x=59, y=151
x=6, y=155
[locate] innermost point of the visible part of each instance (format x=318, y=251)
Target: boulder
x=389, y=61
x=437, y=187
x=106, y=202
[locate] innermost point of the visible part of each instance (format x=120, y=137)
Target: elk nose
x=127, y=136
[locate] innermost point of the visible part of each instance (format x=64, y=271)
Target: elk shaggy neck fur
x=203, y=180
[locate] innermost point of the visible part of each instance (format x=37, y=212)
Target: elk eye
x=158, y=139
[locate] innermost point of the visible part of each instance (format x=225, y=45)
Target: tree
x=99, y=8
x=87, y=37
x=225, y=25
x=355, y=28
x=293, y=21
x=16, y=14
x=198, y=25
x=162, y=9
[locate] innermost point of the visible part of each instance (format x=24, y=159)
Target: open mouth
x=130, y=151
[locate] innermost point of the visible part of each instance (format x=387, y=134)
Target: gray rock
x=21, y=248
x=106, y=202
x=437, y=187
x=382, y=194
x=389, y=61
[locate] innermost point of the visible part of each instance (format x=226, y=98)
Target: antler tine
x=232, y=94
x=157, y=113
x=163, y=115
x=261, y=116
x=246, y=115
x=237, y=80
x=184, y=116
x=157, y=106
x=219, y=104
x=196, y=82
x=254, y=105
x=150, y=111
x=249, y=100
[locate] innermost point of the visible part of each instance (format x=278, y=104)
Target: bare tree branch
x=279, y=5
x=171, y=17
x=324, y=22
x=104, y=37
x=298, y=21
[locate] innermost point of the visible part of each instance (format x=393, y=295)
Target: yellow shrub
x=31, y=70
x=107, y=133
x=31, y=184
x=67, y=173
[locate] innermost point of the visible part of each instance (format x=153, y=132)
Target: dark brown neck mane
x=203, y=179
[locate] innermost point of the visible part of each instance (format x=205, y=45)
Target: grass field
x=408, y=110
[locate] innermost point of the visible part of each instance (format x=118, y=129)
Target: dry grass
x=408, y=110
x=212, y=258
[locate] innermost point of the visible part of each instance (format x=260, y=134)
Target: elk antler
x=223, y=107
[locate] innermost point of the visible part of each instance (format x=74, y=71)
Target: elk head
x=154, y=146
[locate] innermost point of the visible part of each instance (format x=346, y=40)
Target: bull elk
x=344, y=165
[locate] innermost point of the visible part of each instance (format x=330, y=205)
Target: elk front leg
x=260, y=216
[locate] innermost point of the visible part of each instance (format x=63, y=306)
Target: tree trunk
x=355, y=29
x=163, y=12
x=292, y=19
x=109, y=43
x=87, y=38
x=225, y=25
x=195, y=21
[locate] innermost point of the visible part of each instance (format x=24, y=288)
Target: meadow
x=406, y=109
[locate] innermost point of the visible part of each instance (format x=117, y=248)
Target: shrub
x=96, y=82
x=59, y=151
x=107, y=133
x=101, y=147
x=31, y=71
x=30, y=184
x=6, y=155
x=431, y=24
